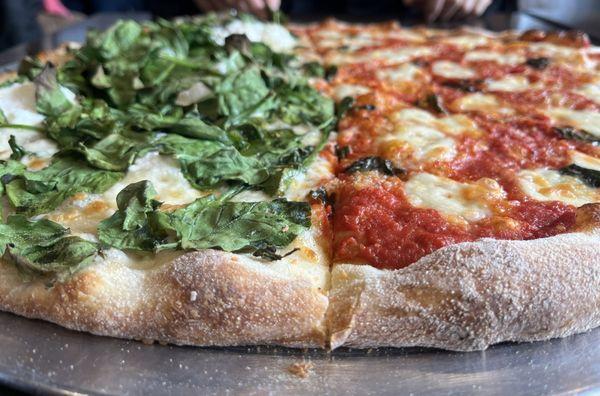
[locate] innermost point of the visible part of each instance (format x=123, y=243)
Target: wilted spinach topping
x=226, y=113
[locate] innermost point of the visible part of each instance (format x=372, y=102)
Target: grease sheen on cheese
x=452, y=70
x=550, y=185
x=421, y=136
x=589, y=121
x=501, y=58
x=485, y=103
x=459, y=201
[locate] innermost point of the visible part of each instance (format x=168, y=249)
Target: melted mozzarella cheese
x=588, y=121
x=458, y=201
x=553, y=50
x=481, y=102
x=452, y=70
x=272, y=34
x=421, y=136
x=164, y=173
x=510, y=83
x=17, y=102
x=404, y=72
x=319, y=172
x=551, y=185
x=387, y=55
x=466, y=41
x=591, y=91
x=82, y=213
x=585, y=161
x=503, y=59
x=343, y=90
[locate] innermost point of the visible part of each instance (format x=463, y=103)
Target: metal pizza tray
x=43, y=358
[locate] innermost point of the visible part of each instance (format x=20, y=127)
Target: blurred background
x=26, y=21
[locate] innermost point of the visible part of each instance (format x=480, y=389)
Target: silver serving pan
x=43, y=358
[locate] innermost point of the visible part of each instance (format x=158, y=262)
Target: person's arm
x=445, y=10
x=260, y=8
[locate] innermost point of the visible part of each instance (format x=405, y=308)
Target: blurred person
x=18, y=21
x=432, y=9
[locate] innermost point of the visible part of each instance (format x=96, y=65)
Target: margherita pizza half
x=224, y=181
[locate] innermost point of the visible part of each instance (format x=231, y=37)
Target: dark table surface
x=520, y=21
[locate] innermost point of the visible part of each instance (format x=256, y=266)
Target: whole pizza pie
x=225, y=181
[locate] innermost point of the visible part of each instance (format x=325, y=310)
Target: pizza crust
x=471, y=295
x=201, y=298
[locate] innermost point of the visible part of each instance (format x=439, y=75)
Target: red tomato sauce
x=376, y=224
x=373, y=221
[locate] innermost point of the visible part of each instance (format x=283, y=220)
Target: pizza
x=225, y=181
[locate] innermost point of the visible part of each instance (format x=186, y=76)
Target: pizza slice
x=466, y=203
x=155, y=187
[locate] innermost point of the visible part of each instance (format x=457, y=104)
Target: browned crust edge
x=202, y=298
x=472, y=295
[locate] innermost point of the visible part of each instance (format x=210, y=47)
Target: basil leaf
x=261, y=156
x=208, y=222
x=590, y=177
x=577, y=134
x=43, y=247
x=41, y=191
x=375, y=164
x=191, y=125
x=432, y=102
x=538, y=63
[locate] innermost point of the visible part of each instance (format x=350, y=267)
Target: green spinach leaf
x=208, y=222
x=41, y=191
x=43, y=247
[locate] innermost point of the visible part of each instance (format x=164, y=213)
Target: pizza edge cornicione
x=461, y=297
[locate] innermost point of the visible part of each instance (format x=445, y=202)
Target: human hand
x=260, y=8
x=56, y=7
x=445, y=10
